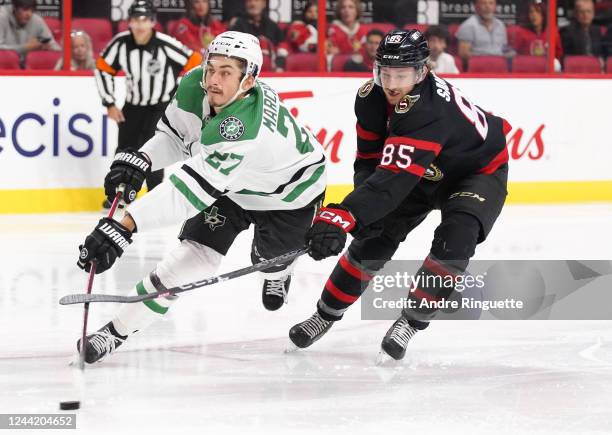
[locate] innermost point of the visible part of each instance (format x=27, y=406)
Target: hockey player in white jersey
x=246, y=161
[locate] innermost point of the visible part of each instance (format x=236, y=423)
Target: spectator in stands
x=483, y=34
x=258, y=23
x=301, y=36
x=82, y=58
x=364, y=61
x=581, y=37
x=22, y=30
x=440, y=61
x=345, y=34
x=531, y=38
x=198, y=28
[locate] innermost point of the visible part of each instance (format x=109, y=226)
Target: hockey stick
x=265, y=264
x=92, y=273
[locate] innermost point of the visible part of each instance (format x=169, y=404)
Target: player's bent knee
x=456, y=238
x=190, y=261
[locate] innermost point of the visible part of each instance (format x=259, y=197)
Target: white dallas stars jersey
x=253, y=151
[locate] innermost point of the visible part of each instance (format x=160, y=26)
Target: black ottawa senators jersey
x=433, y=135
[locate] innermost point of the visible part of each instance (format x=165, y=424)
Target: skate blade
x=291, y=348
x=383, y=359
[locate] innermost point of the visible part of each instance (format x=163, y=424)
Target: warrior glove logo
x=133, y=160
x=231, y=128
x=115, y=236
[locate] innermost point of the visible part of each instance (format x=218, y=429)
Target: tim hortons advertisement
x=61, y=138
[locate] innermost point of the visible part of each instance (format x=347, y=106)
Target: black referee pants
x=139, y=127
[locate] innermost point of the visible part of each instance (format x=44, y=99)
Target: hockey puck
x=71, y=405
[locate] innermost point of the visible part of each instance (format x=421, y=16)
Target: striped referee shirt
x=152, y=70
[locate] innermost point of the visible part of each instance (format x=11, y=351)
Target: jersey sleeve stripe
x=368, y=156
x=205, y=185
x=417, y=143
x=497, y=161
x=413, y=169
x=364, y=134
x=300, y=188
x=187, y=193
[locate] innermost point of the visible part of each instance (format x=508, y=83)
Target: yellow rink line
x=90, y=199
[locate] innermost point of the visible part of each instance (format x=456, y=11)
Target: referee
x=152, y=62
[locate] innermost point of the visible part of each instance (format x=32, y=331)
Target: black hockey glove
x=327, y=235
x=104, y=245
x=129, y=168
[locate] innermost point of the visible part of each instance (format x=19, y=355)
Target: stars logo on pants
x=214, y=219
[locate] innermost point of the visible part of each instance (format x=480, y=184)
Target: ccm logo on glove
x=337, y=217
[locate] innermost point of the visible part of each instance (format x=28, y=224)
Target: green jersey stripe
x=300, y=188
x=187, y=193
x=151, y=304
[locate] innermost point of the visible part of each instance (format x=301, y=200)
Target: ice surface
x=216, y=363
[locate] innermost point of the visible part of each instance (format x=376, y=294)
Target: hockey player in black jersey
x=421, y=146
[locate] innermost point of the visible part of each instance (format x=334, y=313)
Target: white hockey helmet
x=238, y=45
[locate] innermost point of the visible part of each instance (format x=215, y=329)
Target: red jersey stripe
x=364, y=134
x=417, y=143
x=497, y=161
x=414, y=169
x=339, y=294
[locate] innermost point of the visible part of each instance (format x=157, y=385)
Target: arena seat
x=302, y=62
x=55, y=25
x=338, y=61
x=609, y=65
x=42, y=59
x=99, y=29
x=582, y=64
x=487, y=64
x=122, y=26
x=9, y=59
x=529, y=64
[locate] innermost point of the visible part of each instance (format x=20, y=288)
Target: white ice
x=216, y=364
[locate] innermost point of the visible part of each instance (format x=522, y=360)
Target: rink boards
x=56, y=142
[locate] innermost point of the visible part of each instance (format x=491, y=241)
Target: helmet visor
x=395, y=77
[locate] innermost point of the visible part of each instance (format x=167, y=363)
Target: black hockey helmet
x=402, y=48
x=142, y=8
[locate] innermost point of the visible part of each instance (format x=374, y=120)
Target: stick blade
x=87, y=298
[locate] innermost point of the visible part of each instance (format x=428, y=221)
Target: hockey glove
x=327, y=235
x=130, y=169
x=104, y=245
